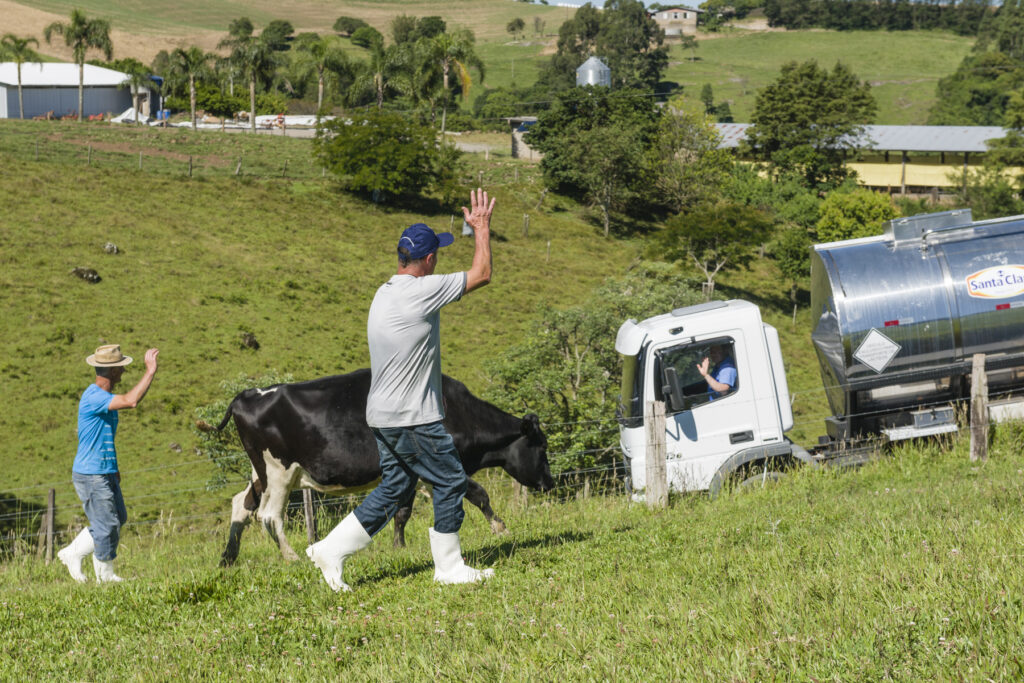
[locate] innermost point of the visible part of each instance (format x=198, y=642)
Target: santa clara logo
x=998, y=282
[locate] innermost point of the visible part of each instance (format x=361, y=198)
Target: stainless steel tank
x=899, y=316
x=593, y=72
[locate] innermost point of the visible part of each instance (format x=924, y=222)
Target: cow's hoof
x=498, y=526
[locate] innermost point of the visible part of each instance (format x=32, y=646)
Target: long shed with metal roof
x=914, y=157
x=51, y=87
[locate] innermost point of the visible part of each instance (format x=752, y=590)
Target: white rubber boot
x=105, y=571
x=329, y=554
x=73, y=554
x=449, y=566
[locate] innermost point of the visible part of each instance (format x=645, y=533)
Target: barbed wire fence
x=98, y=150
x=148, y=508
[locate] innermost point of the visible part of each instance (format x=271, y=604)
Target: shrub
x=860, y=213
x=384, y=152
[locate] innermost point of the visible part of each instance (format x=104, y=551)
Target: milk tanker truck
x=897, y=320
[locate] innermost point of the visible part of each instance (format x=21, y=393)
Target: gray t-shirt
x=404, y=332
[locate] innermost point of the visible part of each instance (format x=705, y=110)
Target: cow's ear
x=531, y=424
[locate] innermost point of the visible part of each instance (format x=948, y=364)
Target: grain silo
x=593, y=72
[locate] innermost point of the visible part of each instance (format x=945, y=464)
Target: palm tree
x=81, y=34
x=420, y=76
x=380, y=73
x=255, y=60
x=192, y=63
x=19, y=51
x=138, y=80
x=454, y=52
x=322, y=56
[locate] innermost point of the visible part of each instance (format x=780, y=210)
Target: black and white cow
x=314, y=435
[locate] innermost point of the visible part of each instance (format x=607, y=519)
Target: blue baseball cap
x=420, y=240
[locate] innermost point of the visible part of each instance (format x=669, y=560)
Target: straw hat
x=108, y=356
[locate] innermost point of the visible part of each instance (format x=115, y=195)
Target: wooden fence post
x=979, y=408
x=526, y=225
x=140, y=161
x=307, y=507
x=189, y=165
x=238, y=169
x=37, y=149
x=657, y=479
x=520, y=494
x=89, y=162
x=51, y=509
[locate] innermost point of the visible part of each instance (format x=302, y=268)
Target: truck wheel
x=761, y=478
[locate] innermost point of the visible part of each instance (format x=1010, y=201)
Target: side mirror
x=671, y=390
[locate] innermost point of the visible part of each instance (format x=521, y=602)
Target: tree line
x=960, y=16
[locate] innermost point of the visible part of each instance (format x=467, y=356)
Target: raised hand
x=479, y=215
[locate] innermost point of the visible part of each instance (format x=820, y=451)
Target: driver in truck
x=722, y=376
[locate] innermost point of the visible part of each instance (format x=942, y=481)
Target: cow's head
x=528, y=456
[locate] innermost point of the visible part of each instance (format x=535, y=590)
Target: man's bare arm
x=479, y=218
x=135, y=394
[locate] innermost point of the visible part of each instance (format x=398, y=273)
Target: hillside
x=903, y=67
x=141, y=30
x=204, y=260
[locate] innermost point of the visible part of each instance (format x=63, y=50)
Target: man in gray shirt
x=405, y=408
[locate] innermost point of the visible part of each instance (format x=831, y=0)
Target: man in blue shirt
x=722, y=376
x=94, y=473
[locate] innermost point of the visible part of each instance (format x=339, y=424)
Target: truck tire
x=759, y=477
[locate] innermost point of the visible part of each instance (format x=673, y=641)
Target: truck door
x=713, y=424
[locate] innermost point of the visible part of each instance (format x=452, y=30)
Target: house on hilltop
x=677, y=21
x=50, y=87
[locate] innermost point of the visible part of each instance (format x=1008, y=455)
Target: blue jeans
x=408, y=454
x=104, y=506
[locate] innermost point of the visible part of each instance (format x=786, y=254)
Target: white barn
x=53, y=87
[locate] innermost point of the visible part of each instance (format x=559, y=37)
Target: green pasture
x=906, y=569
x=902, y=67
x=283, y=256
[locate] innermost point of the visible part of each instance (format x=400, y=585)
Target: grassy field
x=205, y=260
x=907, y=569
x=903, y=68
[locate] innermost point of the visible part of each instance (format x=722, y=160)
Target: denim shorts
x=408, y=454
x=104, y=506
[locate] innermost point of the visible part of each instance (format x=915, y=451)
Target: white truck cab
x=710, y=436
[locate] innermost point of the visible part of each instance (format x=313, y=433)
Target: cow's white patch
x=264, y=392
x=307, y=482
x=280, y=481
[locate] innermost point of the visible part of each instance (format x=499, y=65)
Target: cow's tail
x=227, y=416
x=204, y=426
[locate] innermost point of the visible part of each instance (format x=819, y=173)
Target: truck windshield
x=718, y=355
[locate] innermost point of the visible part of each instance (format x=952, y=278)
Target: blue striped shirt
x=97, y=425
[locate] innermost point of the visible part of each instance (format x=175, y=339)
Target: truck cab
x=710, y=435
